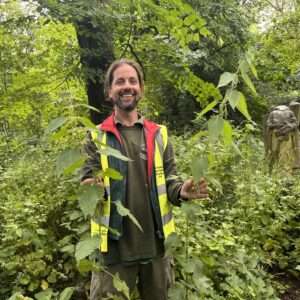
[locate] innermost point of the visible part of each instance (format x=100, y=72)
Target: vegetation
x=212, y=72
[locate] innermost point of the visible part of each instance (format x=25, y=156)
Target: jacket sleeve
x=92, y=163
x=173, y=181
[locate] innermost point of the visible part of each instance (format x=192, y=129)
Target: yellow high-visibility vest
x=167, y=219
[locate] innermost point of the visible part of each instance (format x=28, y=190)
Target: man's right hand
x=95, y=180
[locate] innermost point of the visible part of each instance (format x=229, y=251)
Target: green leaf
x=66, y=293
x=246, y=78
x=55, y=124
x=106, y=150
x=86, y=265
x=249, y=59
x=112, y=173
x=125, y=212
x=69, y=160
x=121, y=286
x=189, y=20
x=215, y=128
x=233, y=96
x=227, y=133
x=86, y=247
x=242, y=107
x=209, y=107
x=44, y=295
x=88, y=197
x=227, y=78
x=199, y=167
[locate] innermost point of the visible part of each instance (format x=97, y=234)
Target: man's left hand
x=191, y=190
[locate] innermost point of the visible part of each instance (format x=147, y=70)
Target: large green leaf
x=69, y=161
x=242, y=107
x=215, y=128
x=233, y=97
x=125, y=212
x=227, y=78
x=106, y=150
x=86, y=247
x=89, y=196
x=199, y=167
x=66, y=293
x=246, y=78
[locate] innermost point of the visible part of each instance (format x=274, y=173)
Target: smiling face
x=125, y=90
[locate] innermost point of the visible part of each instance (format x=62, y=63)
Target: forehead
x=124, y=71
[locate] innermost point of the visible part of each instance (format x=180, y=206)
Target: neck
x=126, y=118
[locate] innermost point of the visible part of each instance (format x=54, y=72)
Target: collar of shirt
x=140, y=121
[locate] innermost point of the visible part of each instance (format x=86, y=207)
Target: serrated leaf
x=199, y=167
x=189, y=20
x=227, y=78
x=69, y=160
x=250, y=64
x=209, y=107
x=44, y=295
x=106, y=150
x=66, y=293
x=88, y=198
x=86, y=247
x=242, y=107
x=246, y=78
x=227, y=133
x=120, y=285
x=125, y=212
x=215, y=128
x=233, y=97
x=55, y=124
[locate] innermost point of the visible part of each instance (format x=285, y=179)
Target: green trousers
x=152, y=280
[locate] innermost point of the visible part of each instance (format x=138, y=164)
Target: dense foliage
x=205, y=64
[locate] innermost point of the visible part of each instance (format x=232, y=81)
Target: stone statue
x=282, y=137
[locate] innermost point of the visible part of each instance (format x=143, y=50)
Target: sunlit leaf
x=86, y=247
x=242, y=107
x=227, y=78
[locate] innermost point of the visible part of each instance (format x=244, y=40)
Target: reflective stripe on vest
x=103, y=227
x=165, y=207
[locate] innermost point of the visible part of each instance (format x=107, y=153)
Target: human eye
x=133, y=80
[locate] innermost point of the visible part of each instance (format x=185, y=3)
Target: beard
x=126, y=106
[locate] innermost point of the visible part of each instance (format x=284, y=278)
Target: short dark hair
x=117, y=63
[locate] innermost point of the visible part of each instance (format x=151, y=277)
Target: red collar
x=150, y=130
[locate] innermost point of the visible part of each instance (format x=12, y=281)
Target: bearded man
x=148, y=188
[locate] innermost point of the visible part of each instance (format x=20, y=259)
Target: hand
x=191, y=190
x=95, y=180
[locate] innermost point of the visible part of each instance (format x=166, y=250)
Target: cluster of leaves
x=228, y=247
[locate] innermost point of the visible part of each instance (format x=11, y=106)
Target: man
x=148, y=186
